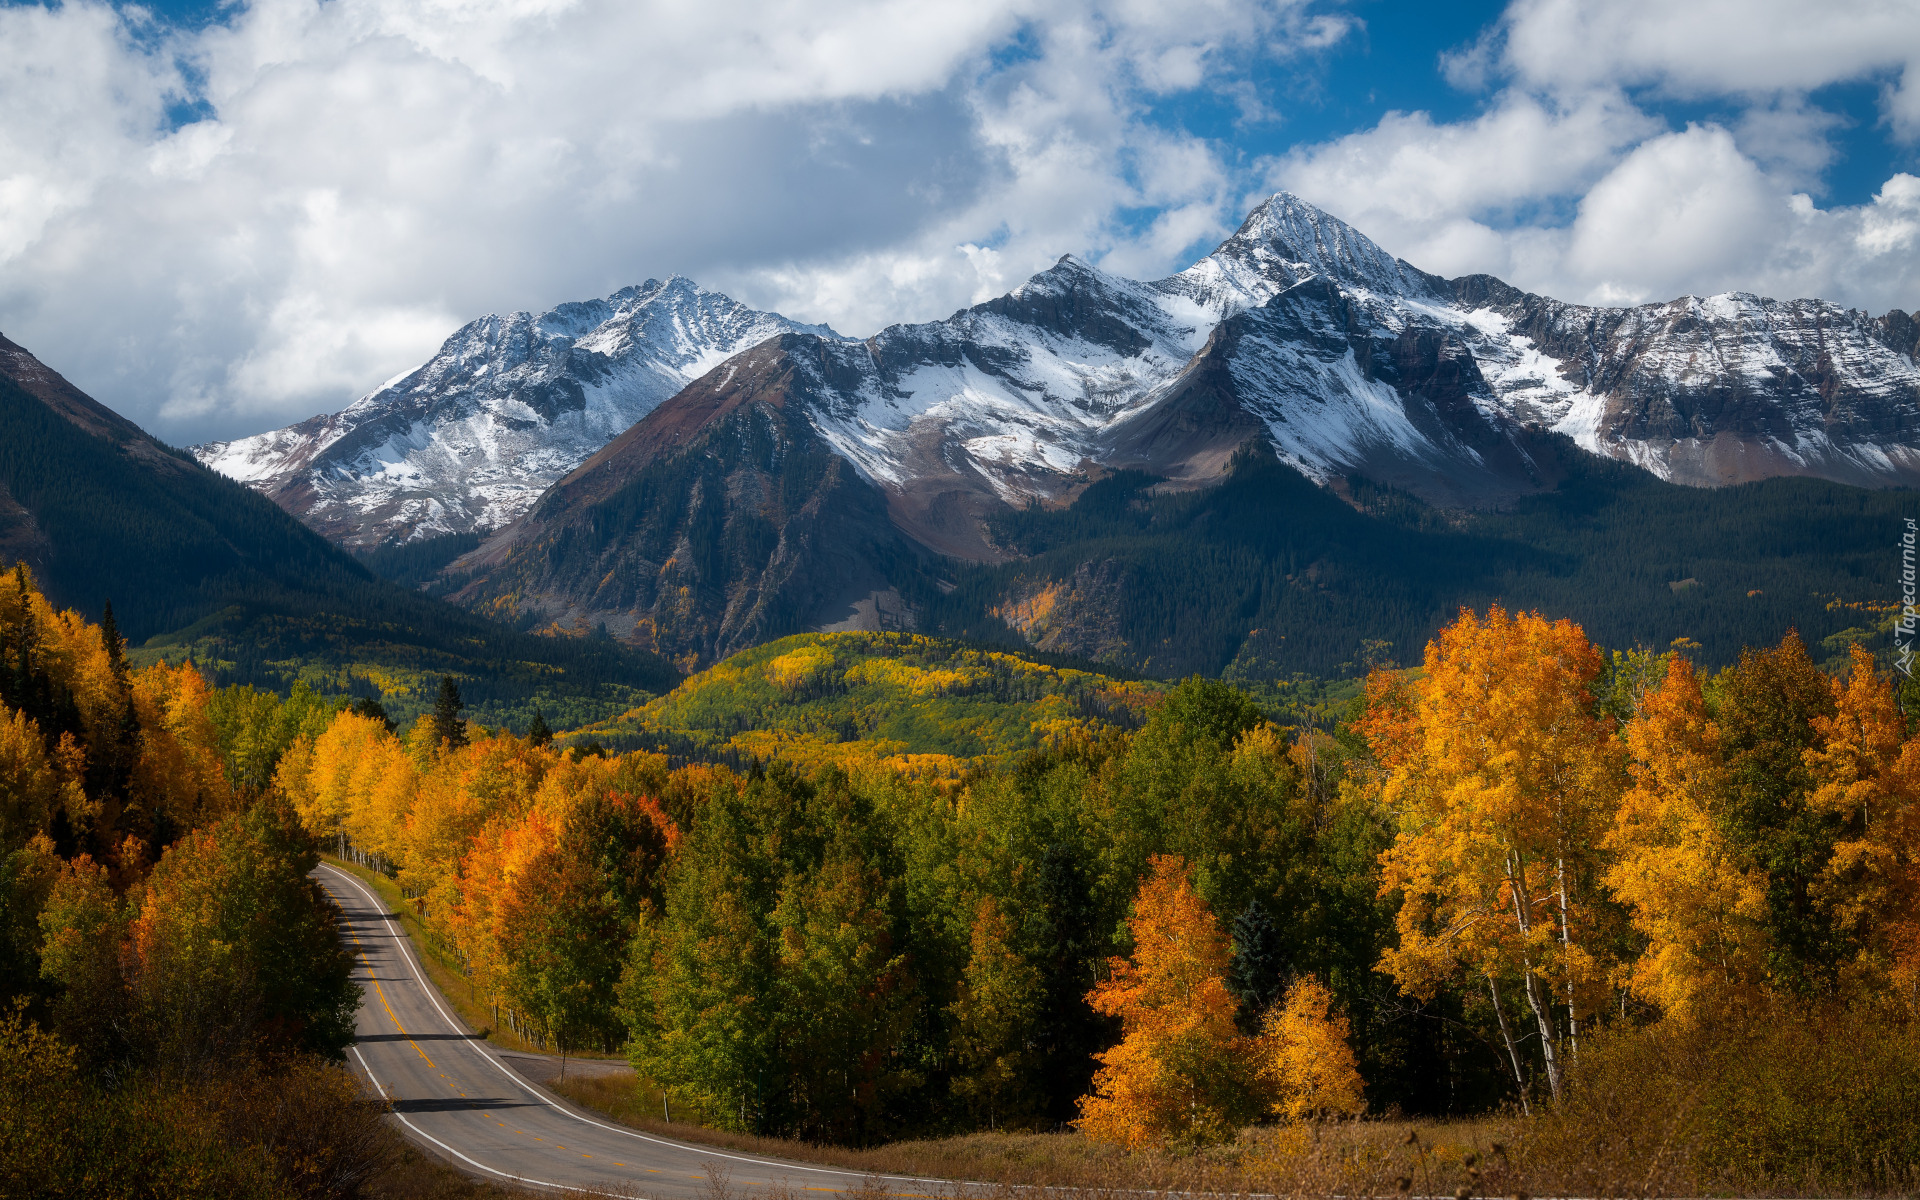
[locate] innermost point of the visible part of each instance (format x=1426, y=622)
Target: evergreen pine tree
x=1257, y=973
x=539, y=733
x=367, y=706
x=25, y=692
x=115, y=644
x=1062, y=923
x=448, y=729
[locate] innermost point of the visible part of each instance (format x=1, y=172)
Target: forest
x=1269, y=576
x=1531, y=875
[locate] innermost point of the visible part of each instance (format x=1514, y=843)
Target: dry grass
x=415, y=1175
x=1624, y=1138
x=1348, y=1158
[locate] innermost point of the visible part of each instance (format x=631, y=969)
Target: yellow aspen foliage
x=293, y=780
x=358, y=783
x=1182, y=1070
x=29, y=788
x=1503, y=782
x=1306, y=1059
x=1868, y=775
x=458, y=793
x=179, y=772
x=1690, y=894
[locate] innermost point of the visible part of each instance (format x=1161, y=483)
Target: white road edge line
x=402, y=1117
x=432, y=993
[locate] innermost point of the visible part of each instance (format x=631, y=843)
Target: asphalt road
x=455, y=1096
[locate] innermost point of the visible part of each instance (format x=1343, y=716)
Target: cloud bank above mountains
x=221, y=227
x=1575, y=181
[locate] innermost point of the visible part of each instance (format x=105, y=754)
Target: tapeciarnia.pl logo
x=1909, y=616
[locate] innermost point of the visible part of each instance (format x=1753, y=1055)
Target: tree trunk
x=1566, y=947
x=1513, y=1051
x=1542, y=1008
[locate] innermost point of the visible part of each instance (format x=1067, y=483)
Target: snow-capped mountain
x=751, y=501
x=469, y=440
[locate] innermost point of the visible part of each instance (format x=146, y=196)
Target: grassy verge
x=1354, y=1158
x=458, y=991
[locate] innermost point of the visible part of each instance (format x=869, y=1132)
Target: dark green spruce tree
x=539, y=733
x=448, y=729
x=367, y=706
x=1257, y=973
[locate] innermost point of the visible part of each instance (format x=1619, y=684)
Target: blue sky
x=223, y=218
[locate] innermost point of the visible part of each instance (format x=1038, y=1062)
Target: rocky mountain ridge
x=706, y=525
x=467, y=441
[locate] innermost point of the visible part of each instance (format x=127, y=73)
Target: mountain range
x=468, y=440
x=807, y=480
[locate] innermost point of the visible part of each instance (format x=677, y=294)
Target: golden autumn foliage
x=1181, y=1070
x=123, y=761
x=1504, y=781
x=1306, y=1058
x=29, y=787
x=478, y=835
x=1867, y=776
x=1693, y=898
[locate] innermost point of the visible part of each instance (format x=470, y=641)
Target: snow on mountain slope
x=730, y=511
x=1715, y=390
x=467, y=441
x=1298, y=332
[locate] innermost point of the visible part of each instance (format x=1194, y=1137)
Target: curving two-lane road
x=453, y=1094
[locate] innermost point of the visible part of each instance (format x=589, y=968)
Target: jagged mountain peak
x=1285, y=240
x=511, y=402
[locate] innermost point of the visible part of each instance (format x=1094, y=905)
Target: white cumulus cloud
x=1570, y=182
x=223, y=229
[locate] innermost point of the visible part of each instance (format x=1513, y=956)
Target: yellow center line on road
x=391, y=1015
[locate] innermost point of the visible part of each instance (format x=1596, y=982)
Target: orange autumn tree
x=1305, y=1057
x=1503, y=781
x=1867, y=777
x=1694, y=898
x=1182, y=1071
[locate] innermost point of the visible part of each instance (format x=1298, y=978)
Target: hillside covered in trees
x=1270, y=577
x=919, y=704
x=1531, y=874
x=199, y=566
x=1517, y=877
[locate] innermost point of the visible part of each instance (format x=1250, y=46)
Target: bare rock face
x=721, y=521
x=470, y=439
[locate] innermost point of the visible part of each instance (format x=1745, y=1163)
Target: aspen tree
x=1306, y=1058
x=1182, y=1070
x=1504, y=781
x=1700, y=907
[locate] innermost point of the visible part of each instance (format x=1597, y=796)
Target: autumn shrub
x=326, y=1136
x=1807, y=1100
x=64, y=1135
